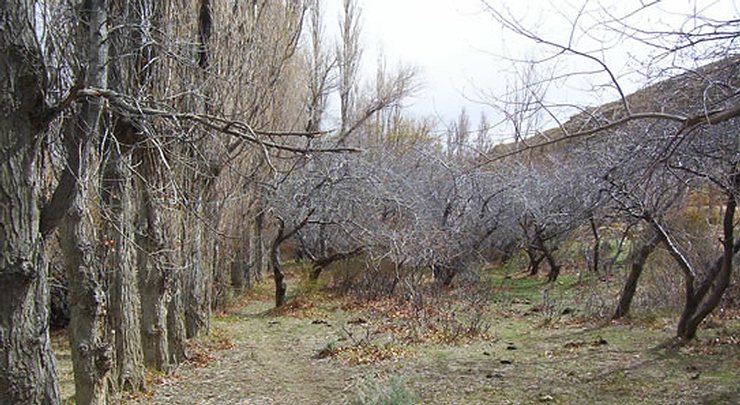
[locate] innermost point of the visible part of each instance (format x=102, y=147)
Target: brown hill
x=690, y=94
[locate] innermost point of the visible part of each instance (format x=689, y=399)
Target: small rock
x=600, y=342
x=320, y=322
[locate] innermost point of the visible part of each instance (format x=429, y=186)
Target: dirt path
x=272, y=362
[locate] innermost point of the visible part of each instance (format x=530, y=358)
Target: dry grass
x=322, y=349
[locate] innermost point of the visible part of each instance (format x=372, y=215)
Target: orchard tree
x=672, y=114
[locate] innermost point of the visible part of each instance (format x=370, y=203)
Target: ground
x=325, y=349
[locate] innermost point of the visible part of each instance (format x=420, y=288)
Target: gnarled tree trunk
x=118, y=261
x=637, y=264
x=701, y=300
x=27, y=364
x=90, y=340
x=154, y=284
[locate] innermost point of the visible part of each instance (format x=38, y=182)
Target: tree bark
x=27, y=364
x=176, y=334
x=703, y=300
x=92, y=351
x=637, y=264
x=277, y=270
x=198, y=279
x=258, y=246
x=118, y=261
x=153, y=283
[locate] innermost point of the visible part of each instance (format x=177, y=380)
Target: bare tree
x=671, y=115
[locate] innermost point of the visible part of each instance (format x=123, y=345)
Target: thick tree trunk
x=240, y=277
x=124, y=307
x=637, y=264
x=153, y=282
x=27, y=364
x=176, y=334
x=198, y=279
x=90, y=340
x=154, y=300
x=92, y=352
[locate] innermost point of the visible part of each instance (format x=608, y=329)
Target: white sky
x=458, y=47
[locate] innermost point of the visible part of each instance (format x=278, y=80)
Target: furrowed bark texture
x=27, y=364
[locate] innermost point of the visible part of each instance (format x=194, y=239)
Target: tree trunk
x=27, y=364
x=548, y=254
x=118, y=260
x=240, y=273
x=198, y=279
x=257, y=250
x=92, y=352
x=535, y=260
x=176, y=334
x=637, y=264
x=554, y=272
x=277, y=272
x=596, y=249
x=155, y=285
x=703, y=300
x=444, y=274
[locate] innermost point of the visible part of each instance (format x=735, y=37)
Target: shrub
x=390, y=391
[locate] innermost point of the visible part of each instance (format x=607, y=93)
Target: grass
x=60, y=345
x=323, y=348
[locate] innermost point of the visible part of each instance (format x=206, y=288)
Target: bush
x=390, y=391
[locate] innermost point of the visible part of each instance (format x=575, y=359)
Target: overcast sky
x=460, y=49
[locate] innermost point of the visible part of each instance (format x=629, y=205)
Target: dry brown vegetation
x=324, y=348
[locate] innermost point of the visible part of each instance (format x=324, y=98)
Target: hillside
x=687, y=94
